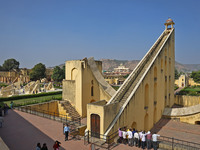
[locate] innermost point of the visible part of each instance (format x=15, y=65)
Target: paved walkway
x=23, y=131
x=178, y=130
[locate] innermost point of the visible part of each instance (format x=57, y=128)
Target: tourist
x=38, y=147
x=1, y=122
x=140, y=138
x=11, y=104
x=66, y=132
x=143, y=139
x=149, y=136
x=133, y=139
x=120, y=135
x=155, y=140
x=92, y=146
x=130, y=137
x=56, y=145
x=5, y=108
x=124, y=133
x=44, y=147
x=136, y=139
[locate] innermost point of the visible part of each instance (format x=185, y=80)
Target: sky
x=54, y=31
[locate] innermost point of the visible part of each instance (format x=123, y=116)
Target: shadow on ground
x=18, y=133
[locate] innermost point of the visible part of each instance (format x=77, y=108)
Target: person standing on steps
x=66, y=132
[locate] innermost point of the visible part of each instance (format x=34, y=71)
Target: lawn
x=193, y=91
x=35, y=100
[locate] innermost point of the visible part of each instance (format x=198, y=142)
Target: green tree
x=10, y=64
x=58, y=74
x=1, y=68
x=38, y=72
x=176, y=74
x=196, y=76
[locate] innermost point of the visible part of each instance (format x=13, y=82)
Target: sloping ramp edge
x=132, y=93
x=99, y=77
x=185, y=111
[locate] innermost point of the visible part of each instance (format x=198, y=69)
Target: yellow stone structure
x=84, y=83
x=140, y=101
x=184, y=81
x=14, y=76
x=114, y=79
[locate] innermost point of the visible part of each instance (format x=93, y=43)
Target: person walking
x=56, y=145
x=38, y=147
x=44, y=147
x=155, y=140
x=66, y=132
x=11, y=104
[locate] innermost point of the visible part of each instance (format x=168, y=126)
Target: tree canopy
x=10, y=64
x=196, y=76
x=58, y=74
x=38, y=72
x=1, y=68
x=176, y=74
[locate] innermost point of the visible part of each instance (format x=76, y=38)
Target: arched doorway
x=95, y=125
x=92, y=101
x=134, y=125
x=197, y=122
x=74, y=73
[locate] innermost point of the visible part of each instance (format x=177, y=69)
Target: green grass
x=192, y=91
x=34, y=100
x=116, y=87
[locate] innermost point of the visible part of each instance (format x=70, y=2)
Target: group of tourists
x=44, y=147
x=138, y=138
x=56, y=146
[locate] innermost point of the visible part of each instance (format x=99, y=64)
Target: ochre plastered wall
x=79, y=83
x=157, y=88
x=186, y=101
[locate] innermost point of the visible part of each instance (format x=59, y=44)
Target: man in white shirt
x=136, y=137
x=140, y=138
x=143, y=135
x=124, y=137
x=130, y=136
x=155, y=140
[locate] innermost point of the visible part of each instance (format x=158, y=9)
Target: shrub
x=28, y=96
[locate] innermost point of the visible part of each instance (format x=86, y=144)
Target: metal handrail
x=105, y=141
x=50, y=115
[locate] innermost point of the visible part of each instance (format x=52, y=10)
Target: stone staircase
x=71, y=111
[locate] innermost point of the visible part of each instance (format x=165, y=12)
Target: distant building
x=118, y=76
x=184, y=81
x=121, y=69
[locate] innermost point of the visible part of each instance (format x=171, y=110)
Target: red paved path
x=22, y=131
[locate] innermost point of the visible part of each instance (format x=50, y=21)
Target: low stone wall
x=186, y=101
x=52, y=106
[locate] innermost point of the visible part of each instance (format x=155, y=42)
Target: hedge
x=28, y=96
